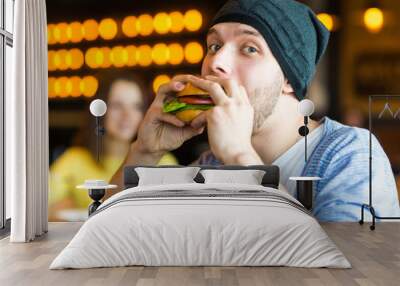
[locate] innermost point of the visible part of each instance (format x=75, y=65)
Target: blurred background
x=121, y=51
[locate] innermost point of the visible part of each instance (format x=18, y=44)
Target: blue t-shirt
x=341, y=159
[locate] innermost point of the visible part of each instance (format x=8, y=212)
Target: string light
x=50, y=60
x=144, y=58
x=160, y=54
x=131, y=53
x=193, y=52
x=51, y=81
x=176, y=54
x=106, y=51
x=119, y=56
x=177, y=22
x=88, y=86
x=193, y=20
x=108, y=29
x=327, y=20
x=159, y=80
x=144, y=25
x=50, y=34
x=374, y=19
x=129, y=26
x=72, y=86
x=75, y=32
x=162, y=23
x=90, y=30
x=60, y=33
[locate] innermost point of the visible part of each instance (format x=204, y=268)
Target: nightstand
x=97, y=190
x=304, y=188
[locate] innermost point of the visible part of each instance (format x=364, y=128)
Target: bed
x=201, y=224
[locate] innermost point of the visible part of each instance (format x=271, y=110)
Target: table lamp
x=97, y=188
x=98, y=108
x=304, y=185
x=306, y=108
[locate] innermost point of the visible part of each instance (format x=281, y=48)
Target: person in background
x=126, y=100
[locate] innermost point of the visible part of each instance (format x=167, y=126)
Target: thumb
x=189, y=132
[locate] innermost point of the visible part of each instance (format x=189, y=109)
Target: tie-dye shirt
x=341, y=159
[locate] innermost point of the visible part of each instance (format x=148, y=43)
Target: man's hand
x=160, y=132
x=229, y=122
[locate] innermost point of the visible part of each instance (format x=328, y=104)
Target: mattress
x=201, y=225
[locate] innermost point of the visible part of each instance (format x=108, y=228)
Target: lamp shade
x=98, y=107
x=306, y=107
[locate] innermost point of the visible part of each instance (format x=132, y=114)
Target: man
x=261, y=56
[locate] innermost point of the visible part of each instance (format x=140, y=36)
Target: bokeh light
x=144, y=55
x=88, y=86
x=119, y=56
x=50, y=60
x=106, y=53
x=327, y=20
x=72, y=86
x=129, y=26
x=50, y=34
x=193, y=52
x=91, y=57
x=75, y=32
x=374, y=19
x=177, y=22
x=144, y=25
x=131, y=53
x=108, y=29
x=51, y=89
x=90, y=30
x=60, y=86
x=61, y=60
x=159, y=80
x=60, y=33
x=160, y=54
x=193, y=20
x=77, y=59
x=176, y=54
x=75, y=89
x=162, y=23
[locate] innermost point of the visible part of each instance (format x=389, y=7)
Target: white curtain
x=27, y=123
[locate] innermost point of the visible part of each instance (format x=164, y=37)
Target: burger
x=188, y=103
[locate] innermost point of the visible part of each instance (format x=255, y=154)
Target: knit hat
x=293, y=32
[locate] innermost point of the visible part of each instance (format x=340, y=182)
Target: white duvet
x=267, y=229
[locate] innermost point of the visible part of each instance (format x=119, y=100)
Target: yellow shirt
x=75, y=166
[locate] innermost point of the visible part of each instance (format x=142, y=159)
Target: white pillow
x=248, y=177
x=164, y=176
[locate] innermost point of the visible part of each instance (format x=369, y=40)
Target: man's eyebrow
x=212, y=31
x=237, y=33
x=247, y=32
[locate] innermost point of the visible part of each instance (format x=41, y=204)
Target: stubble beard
x=263, y=101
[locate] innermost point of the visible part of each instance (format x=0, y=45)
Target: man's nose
x=222, y=62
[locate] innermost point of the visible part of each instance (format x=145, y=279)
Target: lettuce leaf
x=174, y=106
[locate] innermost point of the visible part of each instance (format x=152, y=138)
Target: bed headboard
x=270, y=179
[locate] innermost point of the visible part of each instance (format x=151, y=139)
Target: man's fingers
x=199, y=121
x=189, y=132
x=171, y=119
x=166, y=89
x=214, y=89
x=230, y=86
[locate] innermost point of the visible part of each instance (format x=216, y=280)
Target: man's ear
x=287, y=88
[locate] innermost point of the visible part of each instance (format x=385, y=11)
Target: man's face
x=237, y=51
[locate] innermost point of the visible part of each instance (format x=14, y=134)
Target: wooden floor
x=375, y=257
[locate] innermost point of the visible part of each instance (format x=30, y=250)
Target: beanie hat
x=292, y=31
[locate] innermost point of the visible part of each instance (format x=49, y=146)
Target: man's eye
x=213, y=48
x=250, y=50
